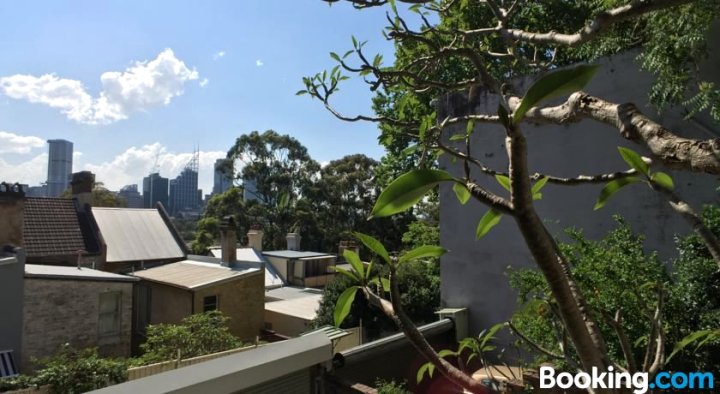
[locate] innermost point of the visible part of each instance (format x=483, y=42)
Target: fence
x=152, y=369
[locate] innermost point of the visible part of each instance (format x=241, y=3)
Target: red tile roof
x=53, y=227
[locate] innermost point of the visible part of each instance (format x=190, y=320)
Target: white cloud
x=219, y=55
x=204, y=82
x=131, y=166
x=31, y=172
x=259, y=63
x=140, y=87
x=14, y=143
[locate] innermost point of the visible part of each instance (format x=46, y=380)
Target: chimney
x=82, y=184
x=348, y=245
x=12, y=207
x=228, y=240
x=255, y=237
x=293, y=241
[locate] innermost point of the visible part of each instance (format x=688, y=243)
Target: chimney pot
x=82, y=185
x=293, y=241
x=255, y=237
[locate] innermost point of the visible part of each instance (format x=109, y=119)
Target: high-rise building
x=223, y=176
x=155, y=189
x=132, y=196
x=184, y=194
x=60, y=157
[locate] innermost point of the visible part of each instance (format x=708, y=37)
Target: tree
x=196, y=335
x=481, y=46
x=102, y=197
x=277, y=170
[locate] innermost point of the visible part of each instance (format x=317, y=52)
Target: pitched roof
x=272, y=278
x=192, y=275
x=133, y=234
x=52, y=227
x=62, y=272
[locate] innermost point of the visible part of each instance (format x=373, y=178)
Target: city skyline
x=173, y=78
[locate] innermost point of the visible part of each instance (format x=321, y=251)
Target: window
x=109, y=315
x=210, y=303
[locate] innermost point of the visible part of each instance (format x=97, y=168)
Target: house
x=298, y=268
x=135, y=238
x=171, y=292
x=79, y=306
x=12, y=268
x=289, y=311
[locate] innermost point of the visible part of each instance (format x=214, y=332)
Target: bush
x=390, y=387
x=196, y=335
x=78, y=371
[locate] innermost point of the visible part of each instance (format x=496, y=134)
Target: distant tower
x=59, y=166
x=223, y=176
x=155, y=189
x=132, y=196
x=184, y=194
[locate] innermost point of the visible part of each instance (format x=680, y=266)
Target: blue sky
x=133, y=83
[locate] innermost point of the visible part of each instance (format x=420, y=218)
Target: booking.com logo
x=638, y=381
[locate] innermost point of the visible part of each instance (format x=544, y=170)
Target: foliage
x=17, y=383
x=694, y=301
x=196, y=335
x=79, y=371
x=102, y=197
x=620, y=276
x=390, y=387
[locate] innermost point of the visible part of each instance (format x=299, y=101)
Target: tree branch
x=534, y=345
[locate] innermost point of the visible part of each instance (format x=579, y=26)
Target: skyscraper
x=155, y=189
x=60, y=155
x=184, y=194
x=132, y=196
x=223, y=176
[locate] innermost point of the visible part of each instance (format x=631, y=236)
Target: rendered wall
x=474, y=272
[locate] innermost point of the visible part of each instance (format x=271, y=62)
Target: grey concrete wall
x=67, y=311
x=474, y=272
x=12, y=271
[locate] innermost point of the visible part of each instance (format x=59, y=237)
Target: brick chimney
x=255, y=237
x=228, y=240
x=82, y=184
x=12, y=207
x=293, y=241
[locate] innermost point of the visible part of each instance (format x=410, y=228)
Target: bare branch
x=600, y=24
x=616, y=324
x=533, y=344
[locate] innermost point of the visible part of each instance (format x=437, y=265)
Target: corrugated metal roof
x=294, y=254
x=136, y=235
x=192, y=275
x=331, y=332
x=60, y=272
x=292, y=292
x=303, y=307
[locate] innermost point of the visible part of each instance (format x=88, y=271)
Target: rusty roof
x=54, y=227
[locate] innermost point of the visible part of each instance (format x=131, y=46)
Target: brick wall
x=66, y=311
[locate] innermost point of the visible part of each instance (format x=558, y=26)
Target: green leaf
x=343, y=305
x=458, y=137
x=488, y=221
x=539, y=185
x=301, y=92
x=490, y=334
x=427, y=367
x=335, y=56
x=663, y=180
x=554, y=84
x=611, y=188
x=446, y=352
x=374, y=245
x=410, y=150
x=347, y=273
x=422, y=252
x=504, y=181
x=469, y=128
x=634, y=160
x=407, y=190
x=385, y=284
x=462, y=193
x=355, y=262
x=693, y=337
